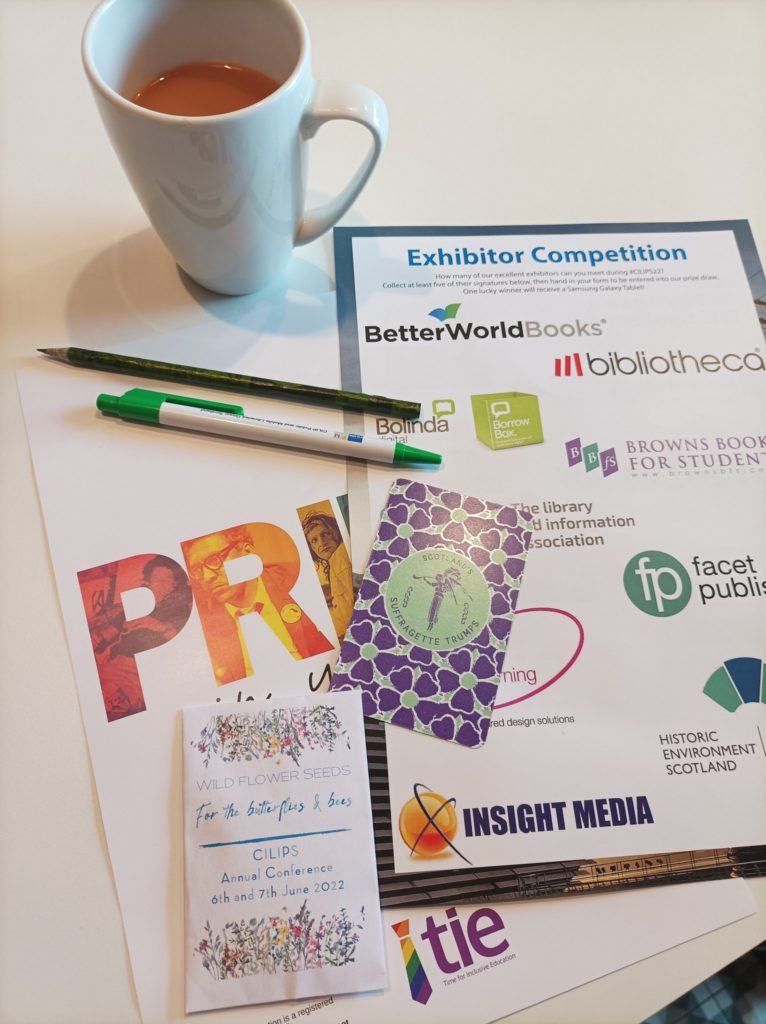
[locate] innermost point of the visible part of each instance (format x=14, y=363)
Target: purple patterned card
x=431, y=624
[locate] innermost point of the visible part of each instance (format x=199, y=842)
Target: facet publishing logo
x=428, y=823
x=657, y=583
x=589, y=456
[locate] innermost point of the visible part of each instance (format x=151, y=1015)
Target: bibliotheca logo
x=639, y=364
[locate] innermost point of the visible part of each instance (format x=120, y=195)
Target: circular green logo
x=657, y=583
x=437, y=599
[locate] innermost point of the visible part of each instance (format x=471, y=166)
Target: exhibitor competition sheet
x=158, y=541
x=609, y=381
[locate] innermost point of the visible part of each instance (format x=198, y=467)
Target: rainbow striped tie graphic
x=420, y=987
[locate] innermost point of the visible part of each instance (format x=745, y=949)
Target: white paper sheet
x=110, y=492
x=631, y=716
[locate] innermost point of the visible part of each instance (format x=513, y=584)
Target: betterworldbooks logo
x=639, y=364
x=448, y=313
x=452, y=329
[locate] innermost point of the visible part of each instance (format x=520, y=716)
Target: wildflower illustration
x=274, y=733
x=270, y=945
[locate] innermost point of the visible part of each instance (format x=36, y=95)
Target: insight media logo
x=590, y=457
x=428, y=823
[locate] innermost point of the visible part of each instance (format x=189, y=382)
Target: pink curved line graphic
x=561, y=672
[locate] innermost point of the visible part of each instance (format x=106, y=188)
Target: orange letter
x=221, y=603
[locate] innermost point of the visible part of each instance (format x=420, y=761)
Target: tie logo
x=571, y=366
x=454, y=946
x=420, y=987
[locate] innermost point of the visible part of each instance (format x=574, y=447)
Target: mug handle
x=342, y=101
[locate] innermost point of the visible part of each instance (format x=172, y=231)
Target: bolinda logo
x=436, y=424
x=468, y=943
x=657, y=583
x=639, y=364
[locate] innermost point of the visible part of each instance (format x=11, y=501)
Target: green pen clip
x=144, y=406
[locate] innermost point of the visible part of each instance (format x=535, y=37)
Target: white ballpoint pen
x=199, y=414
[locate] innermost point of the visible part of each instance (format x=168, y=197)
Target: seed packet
x=281, y=886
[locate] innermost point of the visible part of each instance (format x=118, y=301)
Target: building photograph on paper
x=281, y=887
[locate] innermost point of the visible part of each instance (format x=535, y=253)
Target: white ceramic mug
x=225, y=192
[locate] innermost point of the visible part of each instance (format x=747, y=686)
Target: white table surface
x=515, y=112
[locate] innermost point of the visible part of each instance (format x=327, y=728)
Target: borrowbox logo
x=590, y=457
x=657, y=583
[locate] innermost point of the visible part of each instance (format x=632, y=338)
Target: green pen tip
x=108, y=404
x=405, y=454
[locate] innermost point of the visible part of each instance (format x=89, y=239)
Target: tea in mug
x=204, y=88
